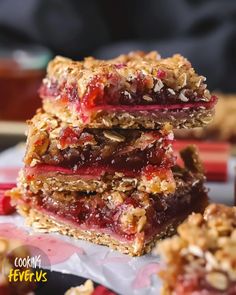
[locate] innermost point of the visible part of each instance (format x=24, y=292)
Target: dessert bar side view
x=60, y=156
x=114, y=184
x=201, y=259
x=130, y=91
x=130, y=222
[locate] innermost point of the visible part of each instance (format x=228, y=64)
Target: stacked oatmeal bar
x=99, y=163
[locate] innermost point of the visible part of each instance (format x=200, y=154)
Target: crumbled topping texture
x=175, y=72
x=84, y=289
x=206, y=243
x=49, y=137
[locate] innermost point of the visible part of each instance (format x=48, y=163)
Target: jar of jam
x=21, y=72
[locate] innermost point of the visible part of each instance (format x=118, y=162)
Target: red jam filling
x=93, y=212
x=77, y=159
x=73, y=136
x=161, y=74
x=197, y=284
x=32, y=173
x=151, y=171
x=118, y=156
x=112, y=96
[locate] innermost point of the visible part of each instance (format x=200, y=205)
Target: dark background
x=202, y=30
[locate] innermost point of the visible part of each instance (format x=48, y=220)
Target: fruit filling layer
x=51, y=142
x=120, y=214
x=112, y=97
x=135, y=79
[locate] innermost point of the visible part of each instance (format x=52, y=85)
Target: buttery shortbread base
x=118, y=182
x=182, y=118
x=45, y=223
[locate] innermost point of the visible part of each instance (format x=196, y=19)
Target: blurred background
x=33, y=31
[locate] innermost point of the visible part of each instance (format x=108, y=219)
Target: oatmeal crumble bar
x=62, y=157
x=130, y=91
x=202, y=258
x=129, y=221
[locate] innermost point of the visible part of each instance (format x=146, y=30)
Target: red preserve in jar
x=21, y=73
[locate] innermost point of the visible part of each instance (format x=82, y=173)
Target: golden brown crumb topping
x=85, y=289
x=174, y=72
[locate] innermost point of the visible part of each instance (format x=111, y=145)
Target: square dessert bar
x=128, y=221
x=62, y=157
x=130, y=91
x=202, y=258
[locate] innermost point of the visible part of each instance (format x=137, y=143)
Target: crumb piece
x=85, y=289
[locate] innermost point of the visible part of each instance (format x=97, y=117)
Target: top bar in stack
x=137, y=90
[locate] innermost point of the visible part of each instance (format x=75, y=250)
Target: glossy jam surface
x=112, y=95
x=92, y=149
x=85, y=158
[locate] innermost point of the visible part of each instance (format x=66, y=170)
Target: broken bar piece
x=202, y=258
x=62, y=157
x=128, y=221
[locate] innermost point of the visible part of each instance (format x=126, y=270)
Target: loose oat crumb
x=147, y=98
x=217, y=280
x=171, y=91
x=158, y=86
x=86, y=289
x=114, y=136
x=182, y=96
